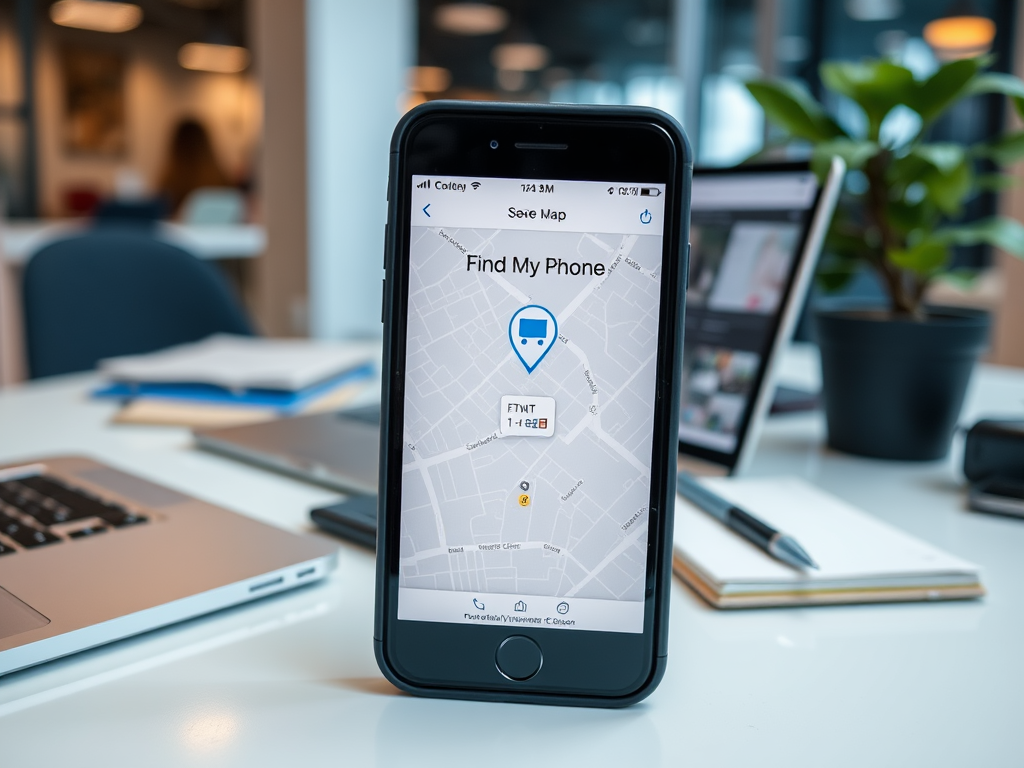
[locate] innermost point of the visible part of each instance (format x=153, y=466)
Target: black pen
x=779, y=545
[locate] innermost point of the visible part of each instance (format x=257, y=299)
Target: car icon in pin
x=531, y=332
x=524, y=485
x=533, y=329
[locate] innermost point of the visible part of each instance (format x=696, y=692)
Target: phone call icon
x=477, y=604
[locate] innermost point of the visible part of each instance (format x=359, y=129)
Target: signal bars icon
x=423, y=184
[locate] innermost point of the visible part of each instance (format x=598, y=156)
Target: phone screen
x=531, y=358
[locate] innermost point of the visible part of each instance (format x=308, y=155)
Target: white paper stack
x=862, y=559
x=242, y=362
x=232, y=380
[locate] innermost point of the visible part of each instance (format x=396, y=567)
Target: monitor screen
x=747, y=234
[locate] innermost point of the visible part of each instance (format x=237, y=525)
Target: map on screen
x=530, y=383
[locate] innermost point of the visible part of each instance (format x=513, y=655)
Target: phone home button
x=518, y=658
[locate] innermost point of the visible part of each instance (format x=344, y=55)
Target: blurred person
x=191, y=164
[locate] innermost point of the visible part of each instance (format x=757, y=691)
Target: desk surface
x=292, y=680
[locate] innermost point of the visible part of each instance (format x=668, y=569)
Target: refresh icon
x=645, y=217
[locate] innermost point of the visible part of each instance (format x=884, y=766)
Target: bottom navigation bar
x=520, y=610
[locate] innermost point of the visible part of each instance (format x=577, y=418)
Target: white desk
x=292, y=680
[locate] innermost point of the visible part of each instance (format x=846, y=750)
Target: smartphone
x=533, y=311
x=354, y=518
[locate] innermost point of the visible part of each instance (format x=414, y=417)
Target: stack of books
x=226, y=381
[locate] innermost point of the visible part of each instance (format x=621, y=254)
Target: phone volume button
x=383, y=298
x=385, y=262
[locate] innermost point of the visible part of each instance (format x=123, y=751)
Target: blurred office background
x=281, y=112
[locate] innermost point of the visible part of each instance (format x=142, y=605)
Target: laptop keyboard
x=40, y=510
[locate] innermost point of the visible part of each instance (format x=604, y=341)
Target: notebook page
x=847, y=543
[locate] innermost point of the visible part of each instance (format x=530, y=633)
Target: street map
x=530, y=382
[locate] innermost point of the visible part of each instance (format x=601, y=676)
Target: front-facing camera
x=494, y=143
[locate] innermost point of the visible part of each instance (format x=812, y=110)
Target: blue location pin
x=531, y=332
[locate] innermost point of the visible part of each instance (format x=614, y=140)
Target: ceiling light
x=96, y=15
x=429, y=79
x=520, y=57
x=960, y=37
x=470, y=18
x=210, y=57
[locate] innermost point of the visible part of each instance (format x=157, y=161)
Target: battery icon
x=649, y=191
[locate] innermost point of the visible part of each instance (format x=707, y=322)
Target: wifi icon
x=475, y=185
x=611, y=190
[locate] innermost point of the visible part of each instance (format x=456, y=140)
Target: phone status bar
x=556, y=205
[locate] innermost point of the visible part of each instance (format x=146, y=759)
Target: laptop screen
x=748, y=228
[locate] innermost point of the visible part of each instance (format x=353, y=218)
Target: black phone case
x=678, y=233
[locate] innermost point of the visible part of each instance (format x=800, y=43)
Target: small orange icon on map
x=524, y=500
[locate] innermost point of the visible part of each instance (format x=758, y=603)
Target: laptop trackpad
x=17, y=617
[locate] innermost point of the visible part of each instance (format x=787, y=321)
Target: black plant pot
x=893, y=387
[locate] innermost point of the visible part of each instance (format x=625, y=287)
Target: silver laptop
x=90, y=554
x=756, y=232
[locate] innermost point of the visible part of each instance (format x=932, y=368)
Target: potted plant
x=895, y=375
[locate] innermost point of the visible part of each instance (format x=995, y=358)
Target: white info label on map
x=527, y=416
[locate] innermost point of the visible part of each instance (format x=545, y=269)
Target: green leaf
x=793, y=109
x=926, y=258
x=906, y=217
x=997, y=231
x=943, y=169
x=946, y=86
x=1005, y=150
x=949, y=190
x=994, y=182
x=944, y=157
x=855, y=153
x=875, y=85
x=997, y=82
x=923, y=159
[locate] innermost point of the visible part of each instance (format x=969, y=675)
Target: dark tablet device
x=756, y=232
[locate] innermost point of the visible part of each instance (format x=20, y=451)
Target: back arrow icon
x=425, y=209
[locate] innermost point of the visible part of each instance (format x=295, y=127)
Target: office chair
x=119, y=291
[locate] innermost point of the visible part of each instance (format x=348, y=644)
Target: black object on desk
x=994, y=463
x=997, y=496
x=995, y=448
x=354, y=519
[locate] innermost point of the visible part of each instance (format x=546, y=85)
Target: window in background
x=623, y=52
x=571, y=51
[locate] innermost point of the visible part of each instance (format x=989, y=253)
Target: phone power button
x=518, y=658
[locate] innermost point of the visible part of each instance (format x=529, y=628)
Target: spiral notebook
x=862, y=559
